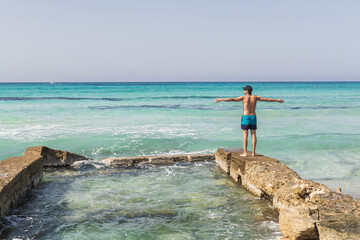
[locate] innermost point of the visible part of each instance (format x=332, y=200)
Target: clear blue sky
x=179, y=40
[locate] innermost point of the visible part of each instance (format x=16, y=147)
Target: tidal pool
x=182, y=201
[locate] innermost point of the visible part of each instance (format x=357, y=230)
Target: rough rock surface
x=339, y=226
x=319, y=211
x=170, y=159
x=297, y=215
x=156, y=160
x=339, y=216
x=307, y=209
x=263, y=173
x=257, y=173
x=55, y=158
x=223, y=160
x=124, y=161
x=17, y=175
x=200, y=157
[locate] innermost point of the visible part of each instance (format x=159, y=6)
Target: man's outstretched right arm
x=279, y=100
x=238, y=99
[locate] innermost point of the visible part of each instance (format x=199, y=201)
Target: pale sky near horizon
x=197, y=40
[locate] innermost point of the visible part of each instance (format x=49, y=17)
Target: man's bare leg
x=253, y=137
x=245, y=142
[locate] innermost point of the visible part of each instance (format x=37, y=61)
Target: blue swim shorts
x=248, y=122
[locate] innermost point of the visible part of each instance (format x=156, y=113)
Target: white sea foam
x=45, y=131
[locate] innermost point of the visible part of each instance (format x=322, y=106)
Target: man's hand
x=218, y=100
x=280, y=100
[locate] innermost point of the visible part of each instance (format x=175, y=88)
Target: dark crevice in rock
x=239, y=180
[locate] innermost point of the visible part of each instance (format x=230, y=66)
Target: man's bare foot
x=253, y=154
x=244, y=154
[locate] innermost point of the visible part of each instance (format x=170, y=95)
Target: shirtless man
x=248, y=120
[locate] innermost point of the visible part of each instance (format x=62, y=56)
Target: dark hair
x=248, y=88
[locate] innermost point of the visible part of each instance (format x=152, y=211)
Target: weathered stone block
x=339, y=226
x=223, y=160
x=252, y=187
x=339, y=216
x=269, y=176
x=17, y=175
x=178, y=158
x=119, y=162
x=161, y=160
x=298, y=223
x=235, y=172
x=55, y=158
x=298, y=214
x=260, y=175
x=307, y=210
x=125, y=161
x=201, y=157
x=333, y=202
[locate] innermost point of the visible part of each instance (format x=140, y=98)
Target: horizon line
x=262, y=81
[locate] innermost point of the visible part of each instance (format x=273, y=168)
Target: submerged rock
x=55, y=158
x=124, y=161
x=167, y=159
x=201, y=157
x=139, y=213
x=156, y=160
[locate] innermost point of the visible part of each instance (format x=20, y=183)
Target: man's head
x=247, y=89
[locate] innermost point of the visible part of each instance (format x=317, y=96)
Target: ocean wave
x=218, y=107
x=56, y=98
x=326, y=107
x=101, y=98
x=175, y=106
x=308, y=107
x=128, y=134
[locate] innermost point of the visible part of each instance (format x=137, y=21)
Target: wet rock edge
x=307, y=209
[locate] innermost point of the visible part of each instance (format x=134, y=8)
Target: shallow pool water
x=182, y=201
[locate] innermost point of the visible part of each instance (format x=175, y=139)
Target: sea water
x=182, y=201
x=316, y=132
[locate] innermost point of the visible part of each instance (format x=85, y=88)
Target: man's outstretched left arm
x=279, y=100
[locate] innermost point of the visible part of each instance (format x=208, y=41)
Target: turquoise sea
x=316, y=132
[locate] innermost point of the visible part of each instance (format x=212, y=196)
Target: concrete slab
x=17, y=175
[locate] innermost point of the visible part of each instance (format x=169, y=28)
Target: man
x=248, y=120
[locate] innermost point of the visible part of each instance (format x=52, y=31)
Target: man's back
x=250, y=104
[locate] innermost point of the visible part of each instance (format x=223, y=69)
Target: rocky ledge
x=18, y=174
x=307, y=209
x=156, y=160
x=53, y=157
